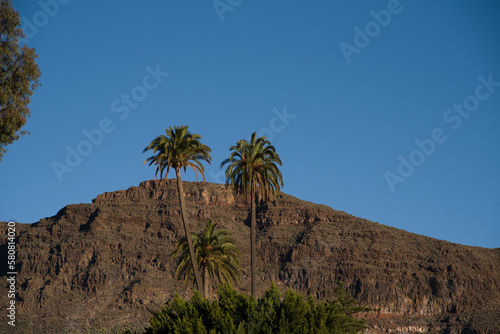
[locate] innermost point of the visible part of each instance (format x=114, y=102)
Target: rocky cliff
x=107, y=264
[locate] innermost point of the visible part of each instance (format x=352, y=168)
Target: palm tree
x=253, y=172
x=180, y=149
x=216, y=255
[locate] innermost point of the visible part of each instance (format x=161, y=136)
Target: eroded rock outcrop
x=106, y=264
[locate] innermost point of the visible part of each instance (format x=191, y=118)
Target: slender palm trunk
x=252, y=239
x=206, y=283
x=187, y=230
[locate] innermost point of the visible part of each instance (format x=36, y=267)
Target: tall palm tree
x=180, y=149
x=253, y=172
x=216, y=255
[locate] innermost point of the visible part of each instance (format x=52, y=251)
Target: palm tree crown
x=254, y=164
x=178, y=149
x=216, y=255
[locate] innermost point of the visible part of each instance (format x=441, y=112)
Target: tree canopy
x=253, y=168
x=19, y=77
x=217, y=257
x=177, y=149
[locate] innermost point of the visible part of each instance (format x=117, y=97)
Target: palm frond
x=254, y=163
x=214, y=250
x=178, y=149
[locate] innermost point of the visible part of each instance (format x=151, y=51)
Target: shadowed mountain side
x=107, y=264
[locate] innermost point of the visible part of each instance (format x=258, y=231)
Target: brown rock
x=107, y=264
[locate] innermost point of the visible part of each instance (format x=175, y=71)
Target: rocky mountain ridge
x=106, y=264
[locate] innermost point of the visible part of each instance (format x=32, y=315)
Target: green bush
x=237, y=313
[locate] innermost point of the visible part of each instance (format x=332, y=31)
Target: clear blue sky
x=345, y=90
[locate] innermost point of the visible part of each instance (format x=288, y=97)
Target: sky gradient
x=387, y=110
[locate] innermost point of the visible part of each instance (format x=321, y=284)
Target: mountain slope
x=107, y=263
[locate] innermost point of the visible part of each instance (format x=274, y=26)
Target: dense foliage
x=236, y=313
x=19, y=75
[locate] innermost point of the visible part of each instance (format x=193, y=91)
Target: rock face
x=107, y=264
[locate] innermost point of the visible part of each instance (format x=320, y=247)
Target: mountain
x=107, y=265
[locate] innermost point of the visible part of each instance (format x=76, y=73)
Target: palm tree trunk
x=206, y=282
x=187, y=230
x=252, y=240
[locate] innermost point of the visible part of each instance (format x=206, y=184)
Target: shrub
x=237, y=313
